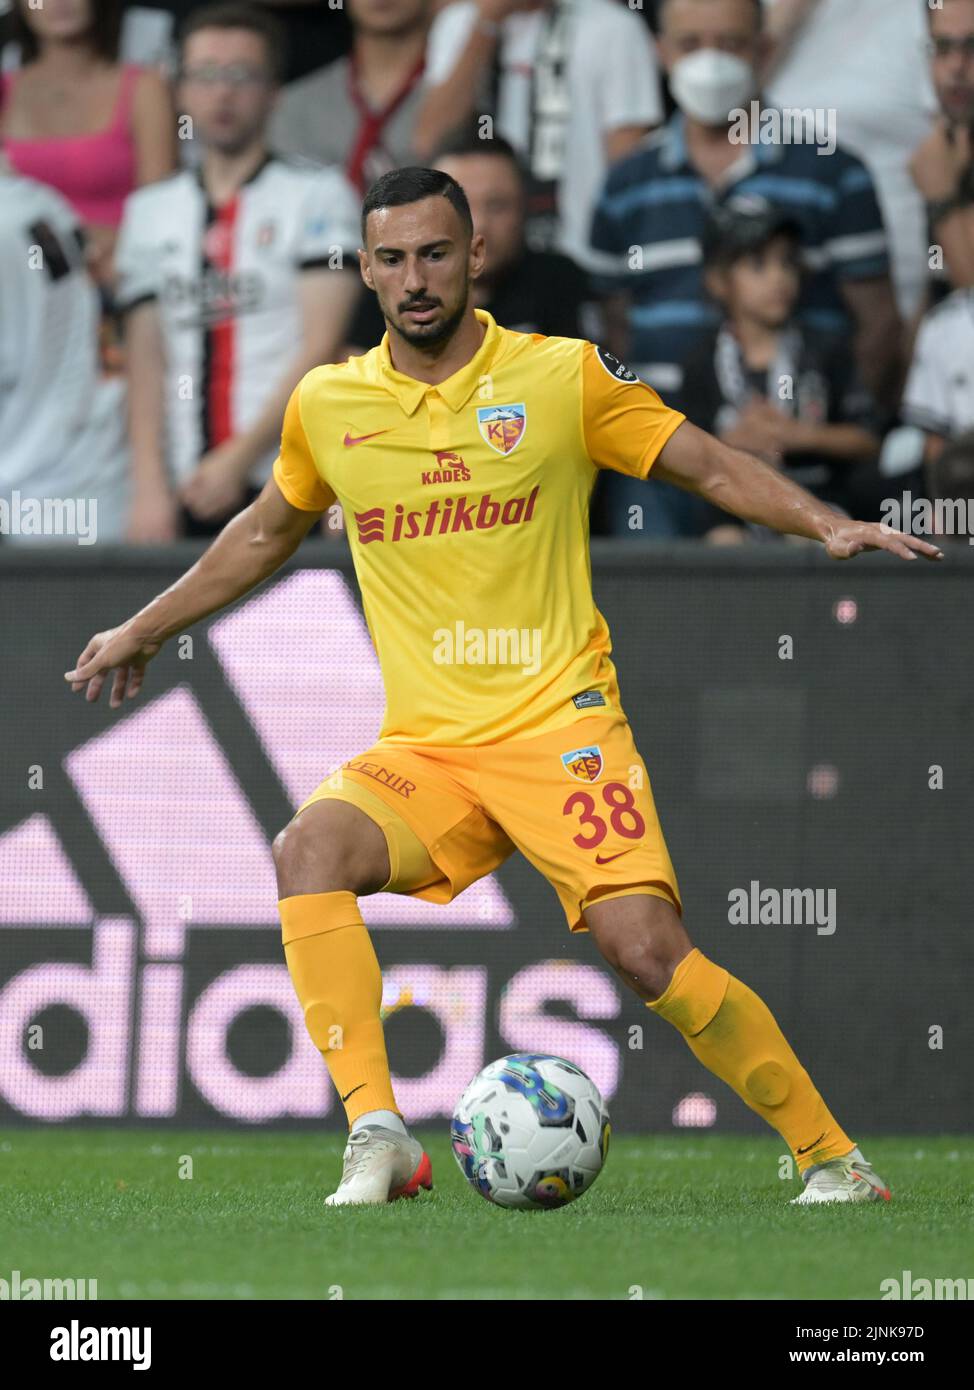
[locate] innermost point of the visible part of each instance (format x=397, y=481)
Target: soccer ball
x=530, y=1131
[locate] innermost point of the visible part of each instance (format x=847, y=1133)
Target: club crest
x=584, y=764
x=502, y=426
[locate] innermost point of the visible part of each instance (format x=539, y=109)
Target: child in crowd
x=764, y=384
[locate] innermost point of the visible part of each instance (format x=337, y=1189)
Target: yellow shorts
x=576, y=802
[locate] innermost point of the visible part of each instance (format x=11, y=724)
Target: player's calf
x=329, y=854
x=733, y=1033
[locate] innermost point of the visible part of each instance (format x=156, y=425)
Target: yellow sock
x=734, y=1034
x=337, y=979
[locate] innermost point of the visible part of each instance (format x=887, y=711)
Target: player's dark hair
x=411, y=185
x=468, y=143
x=237, y=14
x=103, y=33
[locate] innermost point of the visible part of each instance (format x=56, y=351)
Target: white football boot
x=846, y=1179
x=380, y=1165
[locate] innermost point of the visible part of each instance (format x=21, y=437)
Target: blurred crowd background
x=179, y=222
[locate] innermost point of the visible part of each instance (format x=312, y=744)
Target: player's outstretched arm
x=248, y=549
x=754, y=491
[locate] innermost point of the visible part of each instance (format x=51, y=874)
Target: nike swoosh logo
x=797, y=1151
x=609, y=859
x=353, y=1090
x=350, y=441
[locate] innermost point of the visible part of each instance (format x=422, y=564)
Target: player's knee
x=326, y=850
x=292, y=853
x=643, y=938
x=647, y=960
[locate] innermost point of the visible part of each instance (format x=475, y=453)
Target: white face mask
x=709, y=84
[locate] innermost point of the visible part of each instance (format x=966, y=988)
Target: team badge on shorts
x=584, y=764
x=502, y=426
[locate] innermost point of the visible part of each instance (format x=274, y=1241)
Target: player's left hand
x=219, y=484
x=852, y=537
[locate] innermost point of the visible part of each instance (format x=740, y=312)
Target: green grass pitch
x=681, y=1216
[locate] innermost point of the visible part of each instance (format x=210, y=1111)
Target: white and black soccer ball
x=530, y=1131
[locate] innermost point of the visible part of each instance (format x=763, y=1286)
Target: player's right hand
x=119, y=649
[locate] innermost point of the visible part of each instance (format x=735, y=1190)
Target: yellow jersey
x=466, y=506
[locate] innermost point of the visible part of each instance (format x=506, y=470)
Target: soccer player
x=464, y=456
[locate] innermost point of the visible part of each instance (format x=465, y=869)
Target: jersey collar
x=458, y=388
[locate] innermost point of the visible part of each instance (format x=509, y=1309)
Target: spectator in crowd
x=74, y=117
x=359, y=111
x=939, y=395
x=62, y=436
x=654, y=206
x=943, y=165
x=146, y=38
x=529, y=291
x=764, y=384
x=236, y=279
x=573, y=84
x=315, y=31
x=865, y=61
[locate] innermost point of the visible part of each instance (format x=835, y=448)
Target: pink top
x=95, y=173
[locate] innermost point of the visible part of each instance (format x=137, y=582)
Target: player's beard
x=434, y=334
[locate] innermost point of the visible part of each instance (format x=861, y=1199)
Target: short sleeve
x=330, y=222
x=294, y=468
x=137, y=259
x=624, y=421
x=926, y=400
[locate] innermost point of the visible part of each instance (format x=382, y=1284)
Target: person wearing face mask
x=655, y=203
